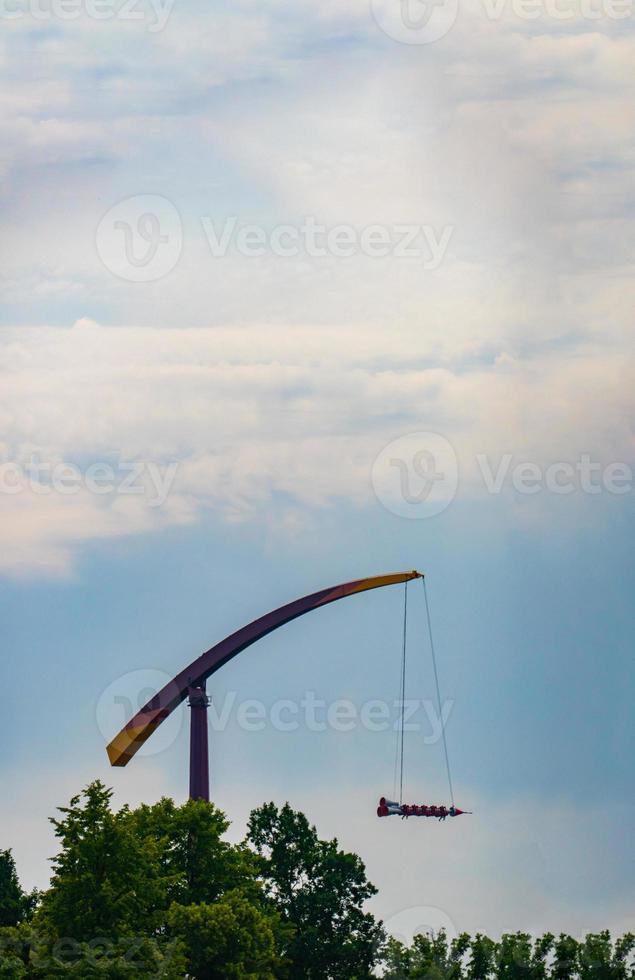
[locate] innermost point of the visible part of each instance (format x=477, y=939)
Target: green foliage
x=157, y=892
x=520, y=959
x=117, y=874
x=428, y=956
x=565, y=958
x=33, y=956
x=515, y=957
x=14, y=954
x=320, y=891
x=196, y=864
x=481, y=961
x=600, y=959
x=146, y=892
x=231, y=938
x=106, y=879
x=15, y=905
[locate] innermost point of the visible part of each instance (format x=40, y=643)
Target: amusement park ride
x=190, y=683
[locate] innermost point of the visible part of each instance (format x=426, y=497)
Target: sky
x=294, y=294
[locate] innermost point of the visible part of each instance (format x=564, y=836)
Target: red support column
x=199, y=747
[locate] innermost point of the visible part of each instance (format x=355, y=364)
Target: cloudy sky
x=296, y=293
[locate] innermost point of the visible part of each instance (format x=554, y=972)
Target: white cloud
x=252, y=412
x=519, y=134
x=516, y=134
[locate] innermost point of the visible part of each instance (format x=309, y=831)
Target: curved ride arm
x=147, y=720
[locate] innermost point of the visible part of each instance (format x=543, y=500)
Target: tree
x=106, y=880
x=320, y=891
x=15, y=904
x=397, y=960
x=231, y=939
x=565, y=958
x=514, y=957
x=157, y=892
x=520, y=959
x=429, y=956
x=600, y=959
x=128, y=885
x=13, y=954
x=27, y=954
x=196, y=864
x=480, y=965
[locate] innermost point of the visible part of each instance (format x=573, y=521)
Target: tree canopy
x=516, y=956
x=15, y=904
x=320, y=891
x=159, y=892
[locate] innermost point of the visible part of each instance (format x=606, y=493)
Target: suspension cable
x=397, y=728
x=403, y=686
x=436, y=681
